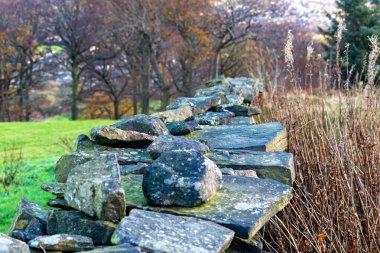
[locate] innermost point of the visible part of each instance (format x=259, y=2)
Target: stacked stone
x=220, y=182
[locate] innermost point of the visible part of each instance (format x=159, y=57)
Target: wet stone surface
x=158, y=232
x=175, y=143
x=181, y=128
x=200, y=104
x=62, y=242
x=11, y=245
x=144, y=124
x=243, y=204
x=275, y=165
x=78, y=223
x=182, y=178
x=262, y=137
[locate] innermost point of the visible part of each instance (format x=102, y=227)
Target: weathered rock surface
x=182, y=113
x=245, y=87
x=243, y=110
x=234, y=99
x=243, y=204
x=182, y=128
x=115, y=137
x=11, y=245
x=275, y=165
x=239, y=120
x=183, y=178
x=175, y=143
x=200, y=104
x=214, y=118
x=84, y=143
x=69, y=161
x=138, y=168
x=242, y=173
x=62, y=242
x=33, y=229
x=78, y=223
x=30, y=218
x=157, y=232
x=94, y=188
x=57, y=189
x=126, y=156
x=144, y=124
x=262, y=137
x=122, y=248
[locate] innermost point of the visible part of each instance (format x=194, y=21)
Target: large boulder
x=200, y=104
x=214, y=118
x=181, y=128
x=94, y=188
x=29, y=218
x=275, y=165
x=62, y=242
x=115, y=137
x=182, y=178
x=78, y=223
x=144, y=124
x=157, y=232
x=262, y=137
x=11, y=245
x=243, y=204
x=175, y=143
x=182, y=113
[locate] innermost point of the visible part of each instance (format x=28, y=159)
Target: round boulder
x=181, y=178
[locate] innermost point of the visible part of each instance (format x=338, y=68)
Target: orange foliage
x=100, y=106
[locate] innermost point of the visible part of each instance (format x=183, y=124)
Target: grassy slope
x=40, y=143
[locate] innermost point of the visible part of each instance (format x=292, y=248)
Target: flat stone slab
x=180, y=114
x=214, y=118
x=122, y=248
x=11, y=245
x=126, y=156
x=274, y=165
x=182, y=128
x=158, y=232
x=57, y=189
x=262, y=137
x=144, y=124
x=62, y=242
x=241, y=120
x=243, y=204
x=200, y=104
x=165, y=143
x=118, y=138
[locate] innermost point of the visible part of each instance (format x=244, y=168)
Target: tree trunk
x=74, y=90
x=217, y=63
x=116, y=109
x=188, y=79
x=146, y=52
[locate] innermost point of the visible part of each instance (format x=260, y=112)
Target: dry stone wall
x=198, y=177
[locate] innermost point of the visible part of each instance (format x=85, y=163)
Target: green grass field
x=41, y=145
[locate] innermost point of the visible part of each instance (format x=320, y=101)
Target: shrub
x=12, y=161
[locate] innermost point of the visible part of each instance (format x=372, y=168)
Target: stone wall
x=199, y=177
